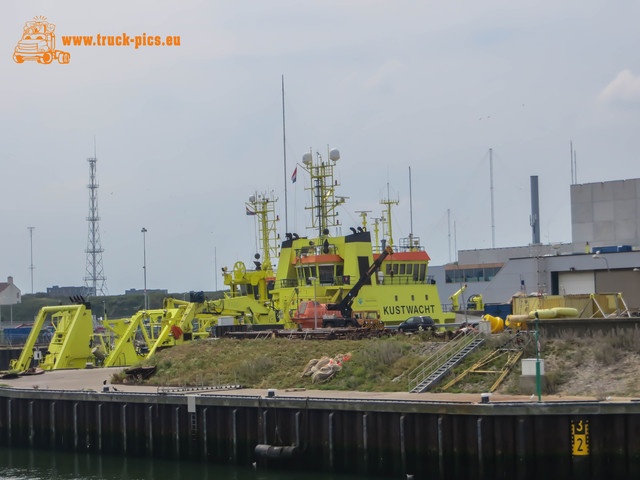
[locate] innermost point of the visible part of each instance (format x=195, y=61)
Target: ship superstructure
x=323, y=268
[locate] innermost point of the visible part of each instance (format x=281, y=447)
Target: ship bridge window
x=326, y=273
x=419, y=273
x=405, y=273
x=304, y=273
x=392, y=268
x=253, y=291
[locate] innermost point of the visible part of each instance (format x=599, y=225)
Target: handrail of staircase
x=437, y=359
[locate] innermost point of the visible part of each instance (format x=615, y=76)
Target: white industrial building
x=603, y=256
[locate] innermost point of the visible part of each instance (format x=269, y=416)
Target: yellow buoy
x=543, y=313
x=566, y=312
x=497, y=324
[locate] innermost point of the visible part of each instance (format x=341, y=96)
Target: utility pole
x=144, y=266
x=493, y=223
x=31, y=266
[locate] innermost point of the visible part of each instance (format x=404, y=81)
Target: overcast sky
x=185, y=134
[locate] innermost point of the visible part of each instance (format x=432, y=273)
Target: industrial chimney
x=534, y=220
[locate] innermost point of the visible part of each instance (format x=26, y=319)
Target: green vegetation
x=593, y=365
x=374, y=365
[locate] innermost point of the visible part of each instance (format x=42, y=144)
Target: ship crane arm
x=345, y=305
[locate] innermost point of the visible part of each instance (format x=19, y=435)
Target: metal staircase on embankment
x=442, y=361
x=504, y=356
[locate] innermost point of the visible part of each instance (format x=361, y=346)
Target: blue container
x=17, y=334
x=502, y=310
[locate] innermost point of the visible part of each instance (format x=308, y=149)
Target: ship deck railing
x=408, y=280
x=295, y=282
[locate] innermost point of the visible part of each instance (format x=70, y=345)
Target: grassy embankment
x=593, y=365
x=375, y=365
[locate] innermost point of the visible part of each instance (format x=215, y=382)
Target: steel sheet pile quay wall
x=426, y=439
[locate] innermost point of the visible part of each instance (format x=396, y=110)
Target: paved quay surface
x=92, y=380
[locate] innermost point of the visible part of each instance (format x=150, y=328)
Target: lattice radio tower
x=94, y=280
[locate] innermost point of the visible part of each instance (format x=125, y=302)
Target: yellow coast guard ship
x=321, y=269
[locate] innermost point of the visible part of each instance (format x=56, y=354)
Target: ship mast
x=263, y=207
x=363, y=215
x=388, y=203
x=376, y=230
x=324, y=203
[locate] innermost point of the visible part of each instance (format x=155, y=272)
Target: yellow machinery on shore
x=126, y=341
x=455, y=304
x=473, y=303
x=69, y=346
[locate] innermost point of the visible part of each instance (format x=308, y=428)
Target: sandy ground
x=93, y=380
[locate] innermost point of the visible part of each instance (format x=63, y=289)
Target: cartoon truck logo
x=38, y=43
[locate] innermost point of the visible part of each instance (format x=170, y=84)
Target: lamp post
x=215, y=265
x=597, y=255
x=31, y=266
x=144, y=266
x=538, y=384
x=315, y=301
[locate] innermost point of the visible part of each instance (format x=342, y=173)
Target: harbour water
x=26, y=464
